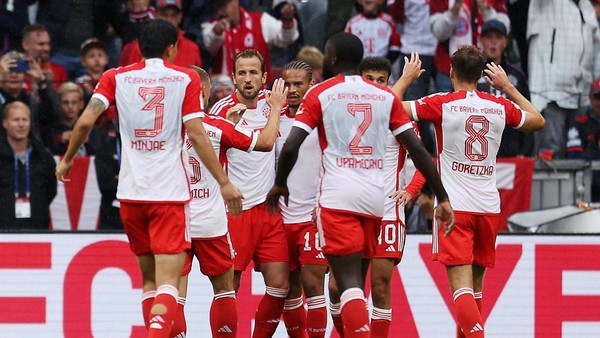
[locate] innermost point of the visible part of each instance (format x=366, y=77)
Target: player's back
x=354, y=125
x=469, y=127
x=151, y=99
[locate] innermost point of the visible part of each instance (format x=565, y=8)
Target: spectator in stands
x=564, y=58
x=42, y=100
x=221, y=86
x=108, y=162
x=313, y=57
x=71, y=106
x=129, y=22
x=596, y=4
x=494, y=40
x=70, y=23
x=13, y=18
x=27, y=182
x=313, y=16
x=188, y=52
x=94, y=57
x=453, y=25
x=376, y=30
x=338, y=14
x=36, y=44
x=584, y=136
x=234, y=29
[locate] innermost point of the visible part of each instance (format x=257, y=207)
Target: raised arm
x=411, y=71
x=276, y=99
x=497, y=78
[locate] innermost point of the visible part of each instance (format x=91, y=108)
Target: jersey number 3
x=156, y=104
x=353, y=109
x=477, y=136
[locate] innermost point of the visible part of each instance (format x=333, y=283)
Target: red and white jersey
x=303, y=182
x=153, y=98
x=468, y=127
x=395, y=156
x=207, y=208
x=253, y=173
x=353, y=116
x=378, y=35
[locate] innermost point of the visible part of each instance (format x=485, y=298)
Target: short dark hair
x=377, y=63
x=348, y=47
x=155, y=36
x=250, y=53
x=299, y=65
x=204, y=78
x=36, y=27
x=468, y=63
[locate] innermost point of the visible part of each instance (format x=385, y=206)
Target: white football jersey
x=468, y=128
x=353, y=117
x=207, y=207
x=303, y=182
x=153, y=99
x=378, y=35
x=253, y=173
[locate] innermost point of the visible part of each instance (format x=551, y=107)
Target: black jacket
x=43, y=187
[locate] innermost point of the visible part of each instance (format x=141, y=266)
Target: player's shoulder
x=491, y=97
x=218, y=121
x=179, y=69
x=442, y=97
x=223, y=105
x=325, y=85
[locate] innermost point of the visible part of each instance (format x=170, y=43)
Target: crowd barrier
x=83, y=285
x=76, y=205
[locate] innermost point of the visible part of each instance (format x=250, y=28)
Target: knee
x=313, y=286
x=380, y=290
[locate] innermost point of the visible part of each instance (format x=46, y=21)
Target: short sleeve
x=515, y=116
x=106, y=88
x=399, y=122
x=310, y=113
x=238, y=138
x=428, y=108
x=191, y=107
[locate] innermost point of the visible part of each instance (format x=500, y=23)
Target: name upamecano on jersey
x=355, y=163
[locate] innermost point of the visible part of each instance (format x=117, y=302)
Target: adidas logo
x=181, y=335
x=390, y=249
x=320, y=256
x=477, y=328
x=276, y=321
x=224, y=329
x=365, y=328
x=244, y=123
x=156, y=322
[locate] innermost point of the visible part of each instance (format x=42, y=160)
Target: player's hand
x=278, y=95
x=412, y=68
x=234, y=114
x=313, y=216
x=496, y=77
x=401, y=196
x=63, y=169
x=444, y=213
x=273, y=198
x=233, y=198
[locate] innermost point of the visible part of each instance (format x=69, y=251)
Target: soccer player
x=155, y=99
x=208, y=220
x=469, y=126
x=307, y=262
x=392, y=231
x=255, y=234
x=352, y=116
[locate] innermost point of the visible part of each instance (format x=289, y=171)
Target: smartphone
x=21, y=67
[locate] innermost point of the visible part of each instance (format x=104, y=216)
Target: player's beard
x=249, y=96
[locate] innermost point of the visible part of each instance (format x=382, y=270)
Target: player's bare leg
x=275, y=275
x=334, y=305
x=294, y=315
x=146, y=264
x=313, y=283
x=349, y=274
x=381, y=294
x=168, y=268
x=465, y=307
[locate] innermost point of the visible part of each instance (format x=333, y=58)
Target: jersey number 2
x=155, y=104
x=477, y=136
x=353, y=109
